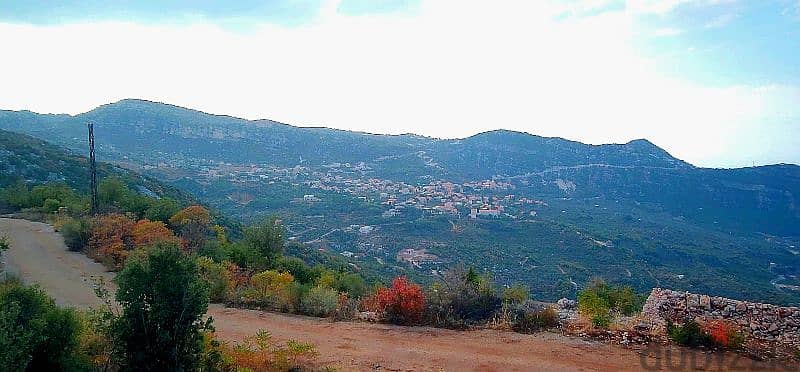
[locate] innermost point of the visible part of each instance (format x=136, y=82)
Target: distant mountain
x=143, y=131
x=631, y=213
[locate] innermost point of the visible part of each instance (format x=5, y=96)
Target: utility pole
x=92, y=169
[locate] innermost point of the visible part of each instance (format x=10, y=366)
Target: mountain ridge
x=137, y=104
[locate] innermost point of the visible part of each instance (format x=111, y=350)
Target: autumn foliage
x=724, y=334
x=194, y=224
x=146, y=233
x=111, y=237
x=114, y=236
x=403, y=302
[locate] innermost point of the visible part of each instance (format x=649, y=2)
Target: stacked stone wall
x=761, y=321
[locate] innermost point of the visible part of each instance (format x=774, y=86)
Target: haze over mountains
x=553, y=212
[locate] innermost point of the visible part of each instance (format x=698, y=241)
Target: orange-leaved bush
x=147, y=233
x=724, y=334
x=193, y=223
x=114, y=236
x=110, y=239
x=403, y=302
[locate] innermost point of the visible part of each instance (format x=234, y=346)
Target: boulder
x=566, y=304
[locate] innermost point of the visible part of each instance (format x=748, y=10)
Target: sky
x=714, y=82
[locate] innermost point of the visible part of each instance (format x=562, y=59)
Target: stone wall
x=762, y=321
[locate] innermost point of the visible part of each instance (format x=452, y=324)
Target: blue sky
x=715, y=82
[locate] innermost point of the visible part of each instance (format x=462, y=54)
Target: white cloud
x=452, y=70
x=720, y=21
x=667, y=6
x=667, y=32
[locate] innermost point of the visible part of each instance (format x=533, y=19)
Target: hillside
x=553, y=213
x=33, y=161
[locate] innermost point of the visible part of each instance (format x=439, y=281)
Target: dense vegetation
x=716, y=334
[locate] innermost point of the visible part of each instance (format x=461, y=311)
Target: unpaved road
x=39, y=255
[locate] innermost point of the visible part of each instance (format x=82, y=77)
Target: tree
x=161, y=209
x=163, y=300
x=193, y=223
x=17, y=195
x=266, y=239
x=113, y=192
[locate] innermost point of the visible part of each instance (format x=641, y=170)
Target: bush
x=34, y=333
x=110, y=240
x=194, y=224
x=689, y=334
x=602, y=320
x=261, y=353
x=76, y=233
x=599, y=299
x=320, y=301
x=724, y=334
x=462, y=297
x=266, y=239
x=218, y=276
x=714, y=334
x=270, y=289
x=4, y=243
x=51, y=205
x=163, y=300
x=403, y=303
x=532, y=320
x=145, y=233
x=516, y=294
x=352, y=284
x=295, y=266
x=346, y=307
x=596, y=308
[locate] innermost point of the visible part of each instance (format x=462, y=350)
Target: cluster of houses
x=474, y=199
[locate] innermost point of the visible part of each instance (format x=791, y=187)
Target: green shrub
x=352, y=284
x=602, y=320
x=320, y=301
x=51, y=205
x=532, y=320
x=4, y=243
x=218, y=278
x=214, y=250
x=16, y=195
x=599, y=299
x=462, y=298
x=689, y=334
x=34, y=333
x=270, y=289
x=516, y=294
x=161, y=209
x=76, y=233
x=242, y=256
x=163, y=301
x=302, y=273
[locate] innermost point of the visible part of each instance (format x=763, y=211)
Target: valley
x=548, y=212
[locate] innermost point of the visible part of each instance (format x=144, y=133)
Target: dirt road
x=38, y=254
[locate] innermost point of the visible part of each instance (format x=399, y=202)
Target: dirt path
x=38, y=254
